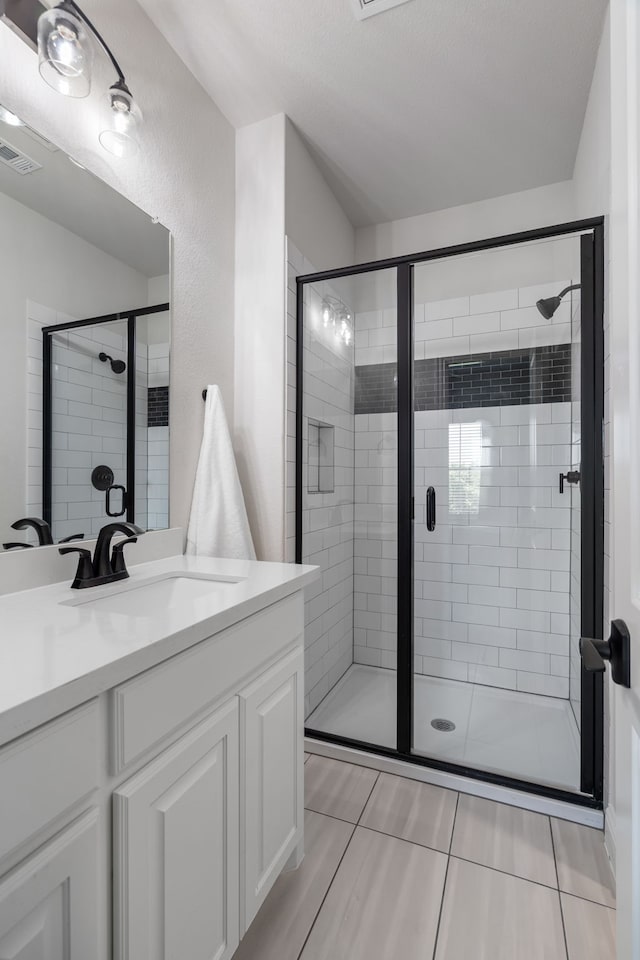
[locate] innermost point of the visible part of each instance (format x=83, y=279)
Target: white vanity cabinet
x=176, y=848
x=152, y=820
x=272, y=724
x=49, y=904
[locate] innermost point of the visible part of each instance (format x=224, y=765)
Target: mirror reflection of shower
x=117, y=366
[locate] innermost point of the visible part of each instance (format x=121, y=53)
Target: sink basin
x=146, y=597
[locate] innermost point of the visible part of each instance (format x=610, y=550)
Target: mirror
x=84, y=350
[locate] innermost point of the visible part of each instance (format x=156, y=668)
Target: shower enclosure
x=101, y=451
x=449, y=482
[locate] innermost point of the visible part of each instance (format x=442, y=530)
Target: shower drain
x=444, y=726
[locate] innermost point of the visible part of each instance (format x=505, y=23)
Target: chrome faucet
x=106, y=566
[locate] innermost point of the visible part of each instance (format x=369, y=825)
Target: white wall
x=282, y=195
x=474, y=221
x=260, y=329
x=42, y=262
x=315, y=221
x=183, y=175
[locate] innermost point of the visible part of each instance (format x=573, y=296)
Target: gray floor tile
x=583, y=865
x=413, y=811
x=590, y=929
x=337, y=789
x=505, y=838
x=383, y=903
x=487, y=915
x=285, y=918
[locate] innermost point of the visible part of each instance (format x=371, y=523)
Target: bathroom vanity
x=151, y=759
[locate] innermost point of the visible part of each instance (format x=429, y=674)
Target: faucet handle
x=16, y=546
x=117, y=556
x=84, y=573
x=73, y=536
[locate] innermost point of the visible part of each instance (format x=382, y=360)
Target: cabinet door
x=272, y=775
x=176, y=853
x=49, y=904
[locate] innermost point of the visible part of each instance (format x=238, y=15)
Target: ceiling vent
x=16, y=159
x=369, y=8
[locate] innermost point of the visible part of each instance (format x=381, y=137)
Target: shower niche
x=103, y=442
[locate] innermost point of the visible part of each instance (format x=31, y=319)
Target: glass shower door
x=496, y=532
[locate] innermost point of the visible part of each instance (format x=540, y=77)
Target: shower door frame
x=592, y=499
x=47, y=405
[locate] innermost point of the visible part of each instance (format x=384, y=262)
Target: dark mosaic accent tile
x=501, y=378
x=158, y=407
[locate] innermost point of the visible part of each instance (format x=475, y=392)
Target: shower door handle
x=431, y=508
x=616, y=650
x=116, y=513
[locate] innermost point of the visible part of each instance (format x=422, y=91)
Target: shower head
x=118, y=366
x=548, y=306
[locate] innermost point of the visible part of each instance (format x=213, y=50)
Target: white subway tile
x=475, y=653
x=475, y=574
x=492, y=676
x=488, y=302
x=477, y=323
x=491, y=342
x=535, y=620
x=546, y=685
x=475, y=613
x=525, y=660
x=493, y=556
x=542, y=642
x=491, y=635
x=455, y=307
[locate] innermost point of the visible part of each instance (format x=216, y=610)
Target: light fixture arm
x=105, y=46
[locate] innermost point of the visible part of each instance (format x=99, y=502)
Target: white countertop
x=54, y=656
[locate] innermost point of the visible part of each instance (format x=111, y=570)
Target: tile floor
x=395, y=869
x=519, y=734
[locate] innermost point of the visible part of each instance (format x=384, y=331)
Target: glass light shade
x=65, y=51
x=122, y=122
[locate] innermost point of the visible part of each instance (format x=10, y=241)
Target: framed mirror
x=84, y=364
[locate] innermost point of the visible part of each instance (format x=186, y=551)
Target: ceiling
x=85, y=205
x=428, y=105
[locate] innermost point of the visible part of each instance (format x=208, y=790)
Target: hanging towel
x=218, y=525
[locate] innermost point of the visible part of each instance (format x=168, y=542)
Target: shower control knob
x=573, y=476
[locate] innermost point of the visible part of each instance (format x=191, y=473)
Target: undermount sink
x=147, y=597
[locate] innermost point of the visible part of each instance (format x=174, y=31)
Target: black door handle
x=431, y=508
x=116, y=513
x=617, y=650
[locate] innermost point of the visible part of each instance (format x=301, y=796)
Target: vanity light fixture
x=7, y=116
x=65, y=49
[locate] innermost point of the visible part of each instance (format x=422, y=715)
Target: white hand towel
x=218, y=525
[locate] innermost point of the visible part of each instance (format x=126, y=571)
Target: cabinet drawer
x=45, y=773
x=151, y=706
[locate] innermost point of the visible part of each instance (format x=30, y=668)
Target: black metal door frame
x=47, y=406
x=592, y=498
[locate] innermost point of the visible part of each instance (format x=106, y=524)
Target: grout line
x=333, y=877
x=444, y=890
x=368, y=798
x=453, y=826
x=555, y=863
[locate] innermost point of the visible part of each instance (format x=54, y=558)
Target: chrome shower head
x=548, y=306
x=118, y=366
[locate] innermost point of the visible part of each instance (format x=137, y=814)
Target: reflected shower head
x=118, y=366
x=548, y=306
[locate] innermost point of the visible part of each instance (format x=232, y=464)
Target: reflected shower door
x=497, y=532
x=89, y=377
